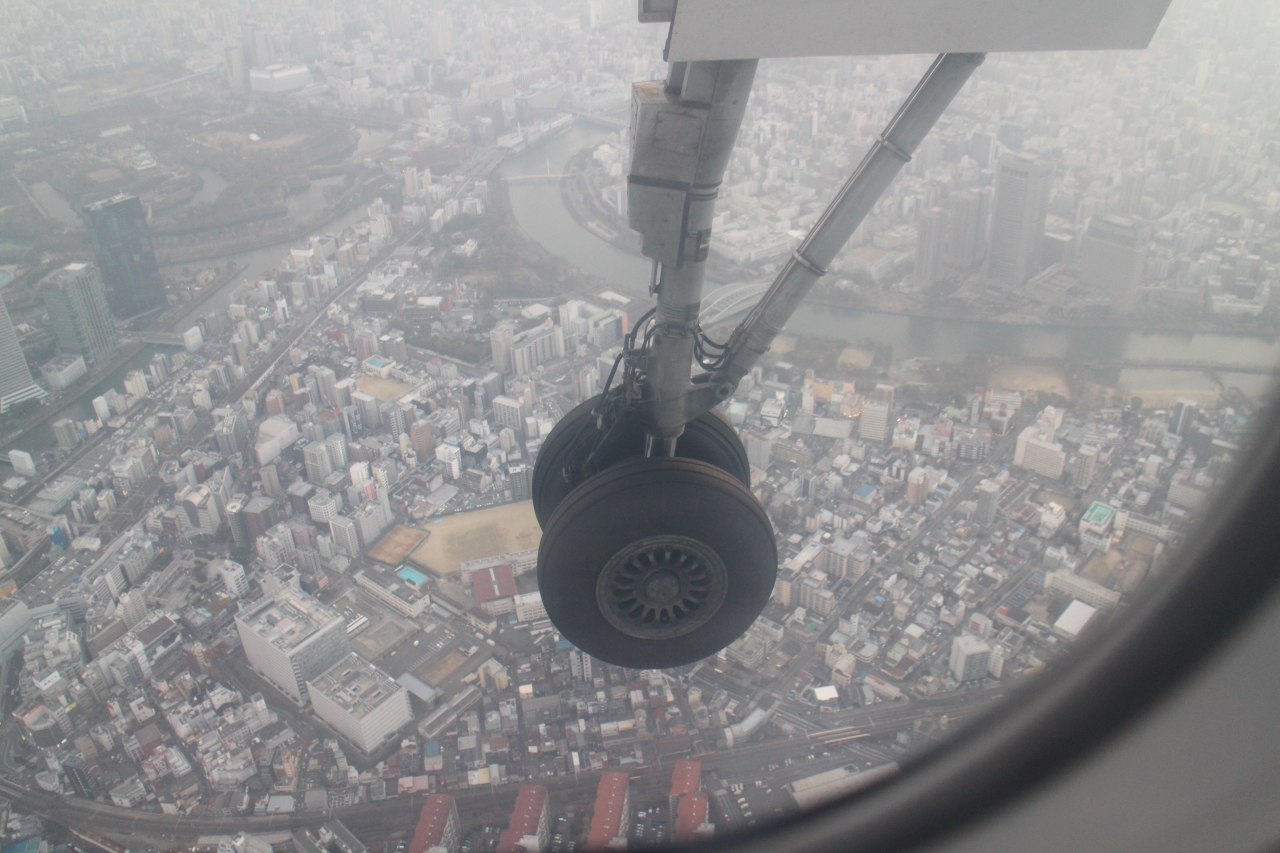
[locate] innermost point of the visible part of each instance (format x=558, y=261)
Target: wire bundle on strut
x=709, y=354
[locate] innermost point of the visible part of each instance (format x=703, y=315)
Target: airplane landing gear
x=656, y=562
x=576, y=449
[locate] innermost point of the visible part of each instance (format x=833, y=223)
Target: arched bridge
x=165, y=338
x=730, y=301
x=609, y=122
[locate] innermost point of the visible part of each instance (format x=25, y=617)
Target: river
x=542, y=215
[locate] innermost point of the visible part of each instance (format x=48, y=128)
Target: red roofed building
x=686, y=779
x=438, y=827
x=612, y=816
x=691, y=818
x=530, y=827
x=495, y=589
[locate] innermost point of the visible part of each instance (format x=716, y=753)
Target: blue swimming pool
x=415, y=578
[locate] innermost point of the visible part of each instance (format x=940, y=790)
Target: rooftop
x=1099, y=514
x=527, y=813
x=611, y=797
x=491, y=583
x=288, y=619
x=686, y=779
x=432, y=821
x=402, y=587
x=356, y=686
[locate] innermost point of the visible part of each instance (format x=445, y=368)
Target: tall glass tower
x=16, y=384
x=1017, y=222
x=78, y=312
x=122, y=241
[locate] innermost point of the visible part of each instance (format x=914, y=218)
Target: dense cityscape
x=280, y=345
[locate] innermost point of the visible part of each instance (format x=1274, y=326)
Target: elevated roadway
x=477, y=805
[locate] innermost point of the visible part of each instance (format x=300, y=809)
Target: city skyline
x=334, y=272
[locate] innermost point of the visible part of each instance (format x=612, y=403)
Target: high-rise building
x=1038, y=452
x=236, y=522
x=83, y=780
x=78, y=313
x=200, y=510
x=931, y=247
x=510, y=412
x=873, y=423
x=611, y=818
x=759, y=451
x=360, y=701
x=1017, y=223
x=122, y=242
x=232, y=434
x=970, y=657
x=324, y=506
x=967, y=229
x=316, y=458
x=234, y=578
x=1184, y=416
x=327, y=381
x=132, y=607
x=422, y=439
x=607, y=328
x=438, y=826
x=686, y=779
x=501, y=338
x=345, y=535
x=538, y=345
x=530, y=824
x=392, y=417
x=1113, y=255
x=451, y=456
x=586, y=383
x=988, y=493
x=520, y=479
x=16, y=384
x=1132, y=185
x=1086, y=466
x=290, y=638
x=917, y=486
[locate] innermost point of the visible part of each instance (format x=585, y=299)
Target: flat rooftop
x=402, y=584
x=356, y=686
x=1098, y=514
x=288, y=619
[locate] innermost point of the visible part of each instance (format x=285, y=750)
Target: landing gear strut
x=655, y=553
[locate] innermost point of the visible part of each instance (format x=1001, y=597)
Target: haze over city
x=294, y=293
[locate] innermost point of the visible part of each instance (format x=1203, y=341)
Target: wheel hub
x=661, y=587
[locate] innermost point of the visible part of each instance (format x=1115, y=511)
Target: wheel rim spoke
x=662, y=587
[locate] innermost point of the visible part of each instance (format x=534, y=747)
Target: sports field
x=397, y=544
x=387, y=390
x=480, y=533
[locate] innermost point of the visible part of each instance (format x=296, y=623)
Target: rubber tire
x=640, y=498
x=708, y=438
